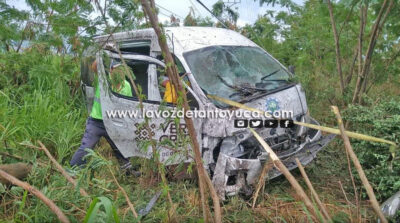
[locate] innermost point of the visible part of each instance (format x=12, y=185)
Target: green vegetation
x=380, y=119
x=41, y=99
x=44, y=102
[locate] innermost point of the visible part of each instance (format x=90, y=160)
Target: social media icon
x=271, y=123
x=256, y=123
x=241, y=123
x=286, y=123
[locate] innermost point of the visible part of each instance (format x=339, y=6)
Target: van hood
x=291, y=99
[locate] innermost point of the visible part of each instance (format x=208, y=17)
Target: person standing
x=95, y=128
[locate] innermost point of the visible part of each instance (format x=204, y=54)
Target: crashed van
x=211, y=61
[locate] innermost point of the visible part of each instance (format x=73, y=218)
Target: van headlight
x=301, y=131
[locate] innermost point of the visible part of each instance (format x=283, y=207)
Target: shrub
x=380, y=120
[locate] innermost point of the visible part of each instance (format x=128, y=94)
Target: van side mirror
x=291, y=69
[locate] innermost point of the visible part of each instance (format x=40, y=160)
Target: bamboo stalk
x=357, y=165
x=53, y=207
x=318, y=127
x=282, y=168
x=358, y=208
x=313, y=192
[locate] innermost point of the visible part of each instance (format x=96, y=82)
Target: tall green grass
x=38, y=101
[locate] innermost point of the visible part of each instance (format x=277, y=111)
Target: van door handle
x=119, y=123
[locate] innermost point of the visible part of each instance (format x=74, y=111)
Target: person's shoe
x=132, y=172
x=129, y=171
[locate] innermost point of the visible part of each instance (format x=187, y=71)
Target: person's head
x=117, y=74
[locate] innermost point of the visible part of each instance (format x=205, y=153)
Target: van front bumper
x=232, y=174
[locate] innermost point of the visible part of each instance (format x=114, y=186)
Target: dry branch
x=125, y=194
x=261, y=181
x=61, y=169
x=356, y=162
x=312, y=126
x=354, y=186
x=135, y=88
x=282, y=168
x=173, y=76
x=313, y=192
x=53, y=207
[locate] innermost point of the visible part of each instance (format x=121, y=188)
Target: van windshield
x=236, y=72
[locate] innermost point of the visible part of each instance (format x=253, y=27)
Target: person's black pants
x=94, y=131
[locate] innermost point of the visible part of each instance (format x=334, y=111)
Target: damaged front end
x=241, y=158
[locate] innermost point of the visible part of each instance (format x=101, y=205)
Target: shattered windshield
x=236, y=72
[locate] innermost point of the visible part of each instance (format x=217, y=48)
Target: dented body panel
x=232, y=156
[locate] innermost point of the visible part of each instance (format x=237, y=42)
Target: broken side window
x=163, y=79
x=139, y=69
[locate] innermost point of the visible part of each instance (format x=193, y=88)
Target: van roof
x=185, y=38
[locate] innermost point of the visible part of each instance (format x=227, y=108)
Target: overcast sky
x=248, y=10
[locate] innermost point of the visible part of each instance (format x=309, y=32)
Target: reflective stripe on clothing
x=96, y=108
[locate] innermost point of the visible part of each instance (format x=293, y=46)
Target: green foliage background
x=41, y=99
x=380, y=120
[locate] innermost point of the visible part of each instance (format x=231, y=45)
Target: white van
x=211, y=61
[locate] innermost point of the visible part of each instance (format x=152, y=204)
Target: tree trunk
x=350, y=75
x=146, y=124
x=363, y=14
x=174, y=77
x=374, y=36
x=337, y=47
x=380, y=26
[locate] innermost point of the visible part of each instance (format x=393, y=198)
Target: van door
x=124, y=120
x=87, y=78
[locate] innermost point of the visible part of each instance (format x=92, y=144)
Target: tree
x=12, y=28
x=192, y=20
x=225, y=13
